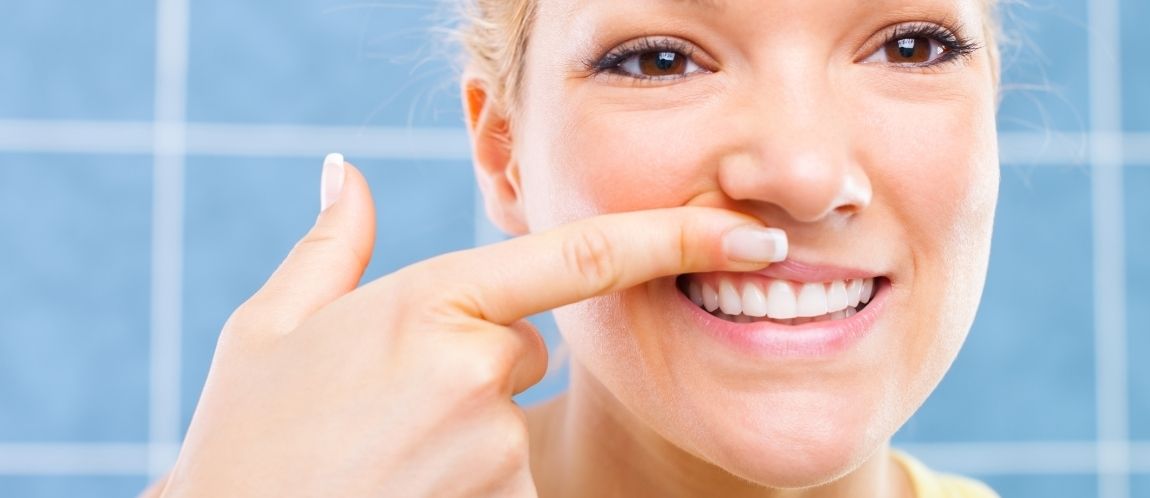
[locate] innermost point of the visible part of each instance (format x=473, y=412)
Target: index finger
x=505, y=282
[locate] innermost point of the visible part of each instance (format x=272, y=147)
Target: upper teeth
x=779, y=299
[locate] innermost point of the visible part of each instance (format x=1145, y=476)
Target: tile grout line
x=1106, y=159
x=168, y=149
x=1017, y=149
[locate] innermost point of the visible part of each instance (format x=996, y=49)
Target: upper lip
x=798, y=271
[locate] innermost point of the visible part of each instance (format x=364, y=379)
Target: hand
x=403, y=387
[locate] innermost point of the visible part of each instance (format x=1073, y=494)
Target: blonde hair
x=494, y=35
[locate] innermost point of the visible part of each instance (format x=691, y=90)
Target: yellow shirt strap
x=928, y=484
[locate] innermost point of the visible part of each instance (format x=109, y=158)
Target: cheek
x=935, y=167
x=589, y=163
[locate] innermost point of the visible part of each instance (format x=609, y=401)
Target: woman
x=763, y=227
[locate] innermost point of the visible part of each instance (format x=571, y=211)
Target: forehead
x=745, y=10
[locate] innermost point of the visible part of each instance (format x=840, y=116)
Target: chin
x=794, y=463
x=820, y=439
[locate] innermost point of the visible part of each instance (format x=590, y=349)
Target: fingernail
x=331, y=182
x=755, y=244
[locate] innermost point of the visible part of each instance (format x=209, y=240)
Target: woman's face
x=876, y=156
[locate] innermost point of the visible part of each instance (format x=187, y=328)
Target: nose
x=793, y=149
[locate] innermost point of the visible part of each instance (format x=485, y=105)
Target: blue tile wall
x=77, y=60
x=75, y=259
x=1044, y=66
x=1140, y=486
x=333, y=62
x=71, y=486
x=1138, y=298
x=1044, y=486
x=1135, y=65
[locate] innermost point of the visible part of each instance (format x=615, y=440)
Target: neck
x=585, y=443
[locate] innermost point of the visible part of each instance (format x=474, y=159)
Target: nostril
x=855, y=194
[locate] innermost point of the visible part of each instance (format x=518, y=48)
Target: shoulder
x=929, y=484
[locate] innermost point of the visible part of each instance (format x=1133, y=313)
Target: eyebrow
x=708, y=4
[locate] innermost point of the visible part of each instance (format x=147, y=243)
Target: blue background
x=270, y=87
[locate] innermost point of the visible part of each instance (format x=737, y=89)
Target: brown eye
x=911, y=50
x=656, y=63
x=921, y=45
x=659, y=64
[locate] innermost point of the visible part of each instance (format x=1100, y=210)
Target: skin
x=865, y=166
x=403, y=386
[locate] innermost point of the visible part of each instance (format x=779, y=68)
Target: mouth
x=752, y=297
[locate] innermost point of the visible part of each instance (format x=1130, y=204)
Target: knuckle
x=325, y=243
x=482, y=377
x=511, y=444
x=589, y=252
x=246, y=318
x=256, y=316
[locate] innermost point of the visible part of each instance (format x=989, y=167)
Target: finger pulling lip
x=798, y=271
x=820, y=338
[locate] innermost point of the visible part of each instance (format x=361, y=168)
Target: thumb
x=330, y=260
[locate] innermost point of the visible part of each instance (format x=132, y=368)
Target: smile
x=750, y=297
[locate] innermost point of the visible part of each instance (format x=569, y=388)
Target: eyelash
x=610, y=62
x=957, y=48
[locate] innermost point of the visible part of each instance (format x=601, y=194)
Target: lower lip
x=767, y=339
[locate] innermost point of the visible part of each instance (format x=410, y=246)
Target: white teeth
x=729, y=299
x=754, y=301
x=854, y=290
x=867, y=291
x=695, y=292
x=781, y=300
x=710, y=298
x=816, y=301
x=836, y=296
x=812, y=300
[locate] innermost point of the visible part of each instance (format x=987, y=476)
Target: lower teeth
x=838, y=315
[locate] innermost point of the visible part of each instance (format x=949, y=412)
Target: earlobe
x=496, y=169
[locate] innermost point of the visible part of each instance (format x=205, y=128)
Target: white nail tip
x=331, y=180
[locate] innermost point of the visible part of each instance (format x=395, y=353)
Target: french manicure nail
x=755, y=244
x=331, y=181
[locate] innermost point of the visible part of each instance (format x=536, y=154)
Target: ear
x=496, y=169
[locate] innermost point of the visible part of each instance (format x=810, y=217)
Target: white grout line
x=313, y=141
x=214, y=139
x=75, y=459
x=1106, y=159
x=81, y=137
x=977, y=459
x=417, y=143
x=168, y=146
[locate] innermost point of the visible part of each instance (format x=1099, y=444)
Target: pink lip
x=803, y=272
x=767, y=340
